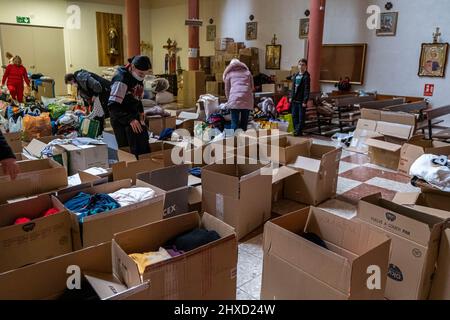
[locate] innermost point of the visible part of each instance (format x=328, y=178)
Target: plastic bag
x=283, y=105
x=15, y=126
x=56, y=110
x=211, y=104
x=164, y=97
x=288, y=118
x=37, y=127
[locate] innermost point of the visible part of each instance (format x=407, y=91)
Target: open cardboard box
x=383, y=153
x=317, y=169
x=365, y=130
x=206, y=273
x=157, y=124
x=74, y=158
x=129, y=170
x=47, y=280
x=238, y=195
x=415, y=243
x=440, y=289
x=40, y=239
x=282, y=149
x=14, y=140
x=101, y=227
x=36, y=177
x=416, y=147
x=297, y=269
x=174, y=181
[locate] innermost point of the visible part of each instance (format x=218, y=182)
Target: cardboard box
x=436, y=203
x=212, y=87
x=280, y=205
x=162, y=152
x=206, y=273
x=129, y=170
x=157, y=124
x=46, y=89
x=235, y=47
x=195, y=198
x=14, y=141
x=371, y=114
x=397, y=133
x=251, y=52
x=415, y=243
x=365, y=130
x=415, y=148
x=268, y=88
x=317, y=175
x=403, y=118
x=440, y=289
x=223, y=43
x=297, y=269
x=40, y=239
x=194, y=86
x=36, y=177
x=282, y=75
x=383, y=153
x=174, y=181
x=74, y=158
x=284, y=150
x=235, y=195
x=101, y=227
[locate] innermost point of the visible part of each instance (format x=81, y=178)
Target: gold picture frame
x=304, y=28
x=251, y=31
x=211, y=33
x=388, y=24
x=433, y=60
x=273, y=57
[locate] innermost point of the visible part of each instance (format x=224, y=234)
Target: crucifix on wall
x=170, y=65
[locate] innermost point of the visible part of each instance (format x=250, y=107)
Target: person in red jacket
x=15, y=75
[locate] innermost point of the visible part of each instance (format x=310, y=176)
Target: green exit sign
x=24, y=20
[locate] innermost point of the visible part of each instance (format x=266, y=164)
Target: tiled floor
x=357, y=178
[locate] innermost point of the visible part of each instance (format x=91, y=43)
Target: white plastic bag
x=211, y=104
x=164, y=97
x=436, y=175
x=15, y=126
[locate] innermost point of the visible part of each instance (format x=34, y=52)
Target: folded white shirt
x=129, y=196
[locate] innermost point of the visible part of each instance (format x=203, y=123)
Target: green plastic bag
x=89, y=128
x=288, y=118
x=56, y=110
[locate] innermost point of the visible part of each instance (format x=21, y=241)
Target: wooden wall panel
x=104, y=22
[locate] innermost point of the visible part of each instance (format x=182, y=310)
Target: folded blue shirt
x=85, y=205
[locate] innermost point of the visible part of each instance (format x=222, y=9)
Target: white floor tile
x=253, y=288
x=345, y=185
x=346, y=166
x=392, y=185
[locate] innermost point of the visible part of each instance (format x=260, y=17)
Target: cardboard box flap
x=48, y=279
x=406, y=222
x=368, y=125
x=129, y=170
x=169, y=178
x=35, y=148
x=432, y=204
x=371, y=114
x=282, y=173
x=108, y=287
x=306, y=164
x=383, y=145
x=195, y=195
x=398, y=118
x=394, y=130
x=406, y=198
x=281, y=239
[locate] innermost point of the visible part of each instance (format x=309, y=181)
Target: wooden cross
x=436, y=35
x=274, y=40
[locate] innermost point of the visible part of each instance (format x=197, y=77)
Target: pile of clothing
x=176, y=247
x=434, y=170
x=266, y=110
x=86, y=205
x=47, y=213
x=50, y=148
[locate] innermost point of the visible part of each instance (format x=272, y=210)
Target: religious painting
x=304, y=28
x=388, y=24
x=273, y=57
x=211, y=33
x=433, y=60
x=251, y=31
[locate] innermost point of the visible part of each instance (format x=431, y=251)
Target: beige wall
x=80, y=45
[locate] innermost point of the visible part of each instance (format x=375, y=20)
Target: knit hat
x=141, y=62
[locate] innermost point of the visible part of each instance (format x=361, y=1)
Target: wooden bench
x=381, y=104
x=433, y=116
x=344, y=104
x=416, y=107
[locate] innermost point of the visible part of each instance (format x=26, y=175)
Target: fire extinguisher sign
x=429, y=90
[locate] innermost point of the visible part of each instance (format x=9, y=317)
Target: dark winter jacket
x=91, y=85
x=301, y=94
x=5, y=150
x=125, y=103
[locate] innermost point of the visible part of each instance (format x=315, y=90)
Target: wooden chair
x=433, y=121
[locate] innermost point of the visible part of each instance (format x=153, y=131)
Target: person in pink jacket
x=239, y=89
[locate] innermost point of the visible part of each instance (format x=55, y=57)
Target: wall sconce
x=251, y=18
x=307, y=13
x=389, y=6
